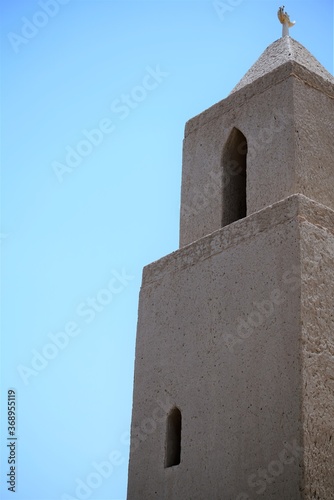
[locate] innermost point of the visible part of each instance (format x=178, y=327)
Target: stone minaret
x=234, y=372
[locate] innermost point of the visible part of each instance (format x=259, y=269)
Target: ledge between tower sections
x=296, y=207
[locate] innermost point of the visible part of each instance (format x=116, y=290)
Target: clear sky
x=94, y=98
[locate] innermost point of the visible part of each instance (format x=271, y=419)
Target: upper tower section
x=270, y=138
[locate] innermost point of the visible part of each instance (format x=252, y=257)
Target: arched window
x=234, y=165
x=173, y=438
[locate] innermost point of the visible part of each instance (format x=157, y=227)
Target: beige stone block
x=225, y=329
x=286, y=116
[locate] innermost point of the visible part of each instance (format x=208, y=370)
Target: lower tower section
x=233, y=393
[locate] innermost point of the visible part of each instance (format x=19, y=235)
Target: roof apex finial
x=284, y=18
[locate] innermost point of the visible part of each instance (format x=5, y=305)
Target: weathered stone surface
x=287, y=118
x=317, y=315
x=220, y=336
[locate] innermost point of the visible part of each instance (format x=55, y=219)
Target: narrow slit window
x=234, y=164
x=173, y=438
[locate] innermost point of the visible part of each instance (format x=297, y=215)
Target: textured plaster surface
x=287, y=119
x=314, y=142
x=239, y=387
x=317, y=272
x=282, y=50
x=268, y=129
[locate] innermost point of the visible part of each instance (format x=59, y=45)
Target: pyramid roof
x=278, y=53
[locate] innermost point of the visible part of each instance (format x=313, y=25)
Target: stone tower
x=234, y=372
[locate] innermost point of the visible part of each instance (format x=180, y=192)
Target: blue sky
x=94, y=99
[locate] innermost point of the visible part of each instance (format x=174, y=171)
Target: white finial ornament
x=285, y=20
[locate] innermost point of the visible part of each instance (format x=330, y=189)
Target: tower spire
x=285, y=21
